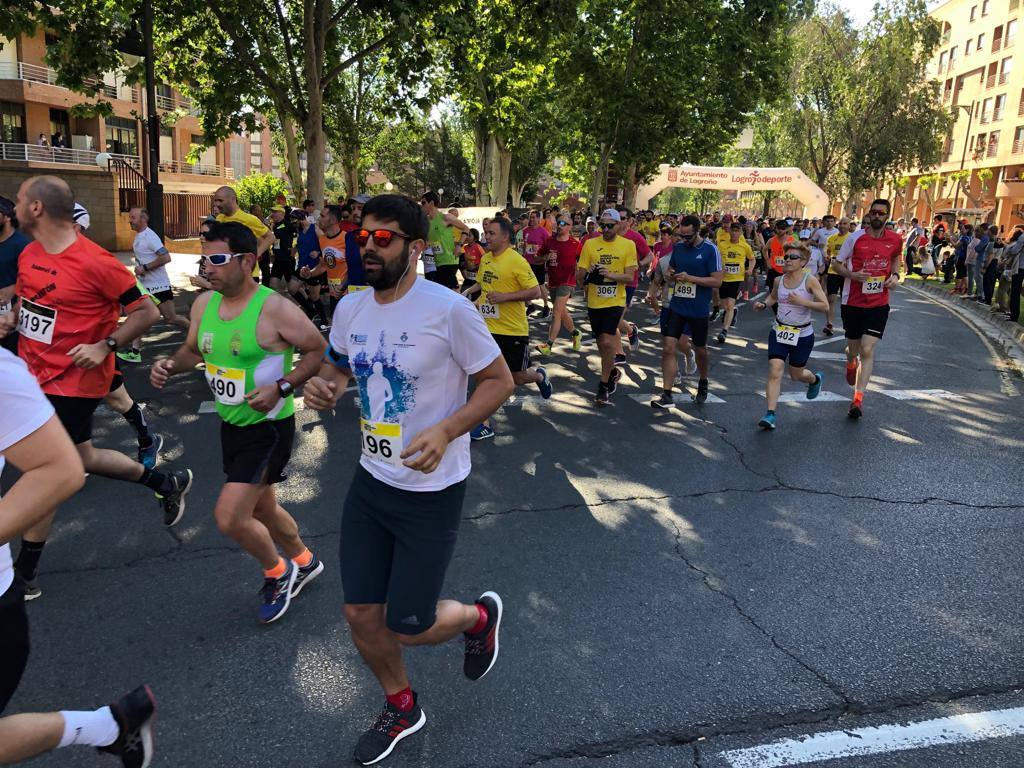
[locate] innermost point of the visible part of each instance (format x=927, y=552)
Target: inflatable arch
x=791, y=180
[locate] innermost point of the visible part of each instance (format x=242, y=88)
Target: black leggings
x=448, y=276
x=13, y=643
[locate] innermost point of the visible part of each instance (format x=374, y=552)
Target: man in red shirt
x=561, y=253
x=69, y=298
x=774, y=251
x=533, y=238
x=870, y=263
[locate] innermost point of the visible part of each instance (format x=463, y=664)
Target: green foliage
x=259, y=189
x=417, y=155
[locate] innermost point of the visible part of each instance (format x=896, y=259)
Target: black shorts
x=162, y=296
x=835, y=284
x=283, y=267
x=861, y=321
x=448, y=276
x=540, y=272
x=396, y=546
x=677, y=325
x=605, y=320
x=10, y=342
x=118, y=379
x=257, y=454
x=515, y=350
x=75, y=414
x=14, y=643
x=320, y=280
x=961, y=269
x=730, y=290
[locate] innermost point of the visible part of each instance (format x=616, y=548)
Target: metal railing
x=1018, y=146
x=34, y=73
x=992, y=151
x=1008, y=42
x=997, y=44
x=164, y=102
x=183, y=213
x=172, y=102
x=997, y=115
x=33, y=153
x=196, y=169
x=1004, y=78
x=991, y=81
x=985, y=119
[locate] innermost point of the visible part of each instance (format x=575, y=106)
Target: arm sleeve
x=473, y=347
x=585, y=256
x=338, y=339
x=113, y=280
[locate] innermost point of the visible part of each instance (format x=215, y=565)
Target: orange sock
x=851, y=365
x=277, y=571
x=304, y=559
x=858, y=398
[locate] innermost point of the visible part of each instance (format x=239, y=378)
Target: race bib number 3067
x=607, y=291
x=36, y=322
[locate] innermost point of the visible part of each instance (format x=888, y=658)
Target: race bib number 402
x=875, y=284
x=36, y=322
x=381, y=441
x=227, y=384
x=787, y=334
x=685, y=291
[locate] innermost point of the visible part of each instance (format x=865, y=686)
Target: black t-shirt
x=284, y=234
x=10, y=249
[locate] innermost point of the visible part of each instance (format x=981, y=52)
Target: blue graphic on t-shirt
x=386, y=392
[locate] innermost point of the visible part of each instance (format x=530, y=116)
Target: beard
x=390, y=272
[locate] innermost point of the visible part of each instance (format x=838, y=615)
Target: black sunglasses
x=381, y=237
x=608, y=225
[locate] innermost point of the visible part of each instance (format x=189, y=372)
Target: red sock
x=402, y=701
x=480, y=622
x=858, y=398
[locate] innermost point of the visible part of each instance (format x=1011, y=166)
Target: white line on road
x=920, y=394
x=801, y=397
x=943, y=731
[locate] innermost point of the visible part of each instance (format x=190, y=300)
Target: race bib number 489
x=685, y=291
x=381, y=441
x=36, y=321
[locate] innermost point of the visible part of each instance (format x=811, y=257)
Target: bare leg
x=28, y=735
x=774, y=384
x=171, y=316
x=802, y=375
x=119, y=400
x=703, y=361
x=669, y=362
x=730, y=311
x=606, y=345
x=867, y=362
x=529, y=376
x=235, y=518
x=281, y=525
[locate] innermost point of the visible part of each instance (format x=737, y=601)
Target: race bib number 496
x=36, y=321
x=381, y=441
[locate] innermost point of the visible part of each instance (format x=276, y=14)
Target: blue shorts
x=798, y=355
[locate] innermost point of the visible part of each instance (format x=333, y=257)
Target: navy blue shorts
x=798, y=355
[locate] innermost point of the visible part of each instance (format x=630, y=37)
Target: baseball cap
x=805, y=234
x=362, y=198
x=81, y=216
x=789, y=222
x=297, y=213
x=611, y=213
x=590, y=220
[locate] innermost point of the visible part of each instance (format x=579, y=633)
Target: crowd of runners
x=431, y=319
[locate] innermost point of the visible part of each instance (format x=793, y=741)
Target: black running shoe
x=391, y=727
x=664, y=401
x=702, y=391
x=601, y=398
x=307, y=573
x=613, y=380
x=714, y=314
x=482, y=648
x=173, y=502
x=134, y=714
x=720, y=338
x=855, y=411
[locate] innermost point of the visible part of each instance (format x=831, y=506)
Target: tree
x=930, y=185
x=773, y=145
x=417, y=156
x=259, y=189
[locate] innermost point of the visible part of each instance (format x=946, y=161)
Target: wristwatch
x=284, y=387
x=111, y=343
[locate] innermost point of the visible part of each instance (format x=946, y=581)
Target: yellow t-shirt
x=722, y=237
x=254, y=225
x=618, y=256
x=832, y=247
x=508, y=272
x=736, y=260
x=651, y=229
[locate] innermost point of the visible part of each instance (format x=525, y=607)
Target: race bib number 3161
x=36, y=321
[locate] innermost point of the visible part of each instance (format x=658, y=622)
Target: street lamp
x=963, y=155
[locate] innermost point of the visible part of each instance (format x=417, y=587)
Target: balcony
x=32, y=153
x=1018, y=146
x=1008, y=43
x=1004, y=78
x=1014, y=4
x=990, y=82
x=997, y=115
x=33, y=73
x=992, y=151
x=997, y=45
x=985, y=119
x=196, y=169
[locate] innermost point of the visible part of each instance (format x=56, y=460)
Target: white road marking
x=838, y=337
x=801, y=397
x=943, y=731
x=828, y=355
x=681, y=399
x=921, y=394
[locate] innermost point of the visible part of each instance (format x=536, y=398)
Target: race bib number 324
x=874, y=284
x=36, y=322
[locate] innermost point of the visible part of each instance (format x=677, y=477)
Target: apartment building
x=35, y=116
x=980, y=69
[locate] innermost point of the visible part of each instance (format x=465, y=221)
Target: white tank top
x=791, y=314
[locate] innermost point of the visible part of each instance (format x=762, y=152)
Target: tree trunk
x=292, y=168
x=600, y=178
x=350, y=170
x=313, y=131
x=501, y=184
x=480, y=154
x=630, y=185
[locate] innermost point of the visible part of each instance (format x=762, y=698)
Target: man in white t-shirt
x=820, y=236
x=404, y=505
x=33, y=440
x=151, y=258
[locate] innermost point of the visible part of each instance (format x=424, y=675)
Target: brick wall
x=95, y=189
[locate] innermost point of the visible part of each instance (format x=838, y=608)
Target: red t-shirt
x=561, y=259
x=661, y=249
x=472, y=252
x=863, y=253
x=70, y=298
x=643, y=250
x=533, y=239
x=777, y=250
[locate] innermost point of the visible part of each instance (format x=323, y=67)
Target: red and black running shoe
x=391, y=727
x=482, y=647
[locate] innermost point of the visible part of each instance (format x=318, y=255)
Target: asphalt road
x=677, y=585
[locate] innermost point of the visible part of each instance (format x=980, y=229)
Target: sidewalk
x=182, y=265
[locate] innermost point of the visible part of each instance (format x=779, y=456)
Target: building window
x=984, y=7
x=59, y=123
x=942, y=60
x=1018, y=139
x=967, y=48
x=952, y=55
x=12, y=122
x=981, y=41
x=974, y=12
x=237, y=158
x=122, y=136
x=1011, y=32
x=999, y=107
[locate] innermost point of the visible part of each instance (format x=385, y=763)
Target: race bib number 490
x=787, y=334
x=36, y=322
x=227, y=384
x=685, y=291
x=381, y=441
x=875, y=284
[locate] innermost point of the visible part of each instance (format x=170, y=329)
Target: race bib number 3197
x=36, y=322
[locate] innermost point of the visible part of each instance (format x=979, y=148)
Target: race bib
x=607, y=291
x=381, y=441
x=685, y=291
x=732, y=269
x=470, y=275
x=787, y=334
x=336, y=282
x=5, y=307
x=875, y=284
x=428, y=262
x=357, y=288
x=490, y=311
x=531, y=249
x=433, y=248
x=227, y=384
x=36, y=322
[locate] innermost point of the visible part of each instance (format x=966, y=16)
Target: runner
x=791, y=338
x=870, y=261
x=151, y=258
x=442, y=243
x=34, y=441
x=472, y=252
x=225, y=203
x=282, y=268
x=561, y=253
x=246, y=335
x=644, y=256
x=306, y=290
x=694, y=267
x=606, y=266
x=12, y=243
x=737, y=265
x=774, y=251
x=505, y=284
x=834, y=281
x=333, y=257
x=532, y=238
x=404, y=505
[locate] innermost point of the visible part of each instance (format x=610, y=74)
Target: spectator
x=59, y=141
x=1013, y=273
x=43, y=141
x=989, y=259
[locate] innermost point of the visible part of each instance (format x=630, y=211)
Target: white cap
x=81, y=216
x=591, y=220
x=611, y=213
x=805, y=234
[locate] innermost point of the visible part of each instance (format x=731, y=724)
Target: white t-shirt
x=23, y=410
x=412, y=360
x=820, y=237
x=146, y=246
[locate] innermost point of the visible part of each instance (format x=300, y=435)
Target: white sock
x=91, y=729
